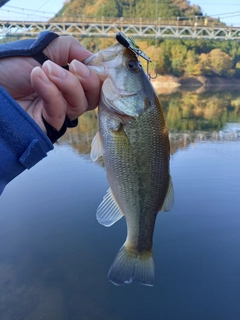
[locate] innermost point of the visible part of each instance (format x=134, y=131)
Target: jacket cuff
x=28, y=47
x=22, y=141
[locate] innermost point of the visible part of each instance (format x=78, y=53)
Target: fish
x=133, y=140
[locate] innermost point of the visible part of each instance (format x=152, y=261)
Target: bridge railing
x=173, y=21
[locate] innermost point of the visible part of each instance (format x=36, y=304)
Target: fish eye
x=133, y=66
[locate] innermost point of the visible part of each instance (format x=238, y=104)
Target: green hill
x=130, y=8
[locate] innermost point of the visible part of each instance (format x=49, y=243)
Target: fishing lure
x=131, y=44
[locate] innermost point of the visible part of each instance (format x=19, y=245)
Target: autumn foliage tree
x=221, y=63
x=217, y=63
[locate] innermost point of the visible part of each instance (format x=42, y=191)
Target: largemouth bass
x=133, y=140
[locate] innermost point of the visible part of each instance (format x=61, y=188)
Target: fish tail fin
x=131, y=267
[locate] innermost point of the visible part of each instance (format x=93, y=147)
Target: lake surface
x=54, y=256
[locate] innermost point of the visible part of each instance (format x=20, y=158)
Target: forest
x=177, y=57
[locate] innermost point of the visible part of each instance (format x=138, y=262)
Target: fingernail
x=54, y=69
x=80, y=69
x=42, y=75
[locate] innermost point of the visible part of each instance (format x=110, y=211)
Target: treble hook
x=148, y=73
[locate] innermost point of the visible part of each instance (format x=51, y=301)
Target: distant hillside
x=129, y=8
x=177, y=57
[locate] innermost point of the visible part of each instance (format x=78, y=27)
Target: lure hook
x=151, y=77
x=148, y=73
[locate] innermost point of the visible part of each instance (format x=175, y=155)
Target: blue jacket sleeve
x=22, y=141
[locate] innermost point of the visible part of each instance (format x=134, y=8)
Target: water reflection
x=80, y=138
x=190, y=117
x=201, y=112
x=54, y=256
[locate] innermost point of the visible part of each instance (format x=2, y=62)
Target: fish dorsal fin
x=169, y=200
x=108, y=211
x=97, y=148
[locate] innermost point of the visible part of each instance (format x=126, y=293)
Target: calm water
x=54, y=256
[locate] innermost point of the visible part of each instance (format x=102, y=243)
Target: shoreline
x=168, y=84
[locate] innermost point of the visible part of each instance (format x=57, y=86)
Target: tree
x=221, y=63
x=237, y=69
x=205, y=65
x=108, y=8
x=192, y=65
x=178, y=54
x=158, y=57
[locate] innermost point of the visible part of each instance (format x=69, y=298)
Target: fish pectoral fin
x=108, y=211
x=169, y=199
x=97, y=147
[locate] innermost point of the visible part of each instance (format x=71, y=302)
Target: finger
x=70, y=87
x=63, y=50
x=51, y=105
x=90, y=82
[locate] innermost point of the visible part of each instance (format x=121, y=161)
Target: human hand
x=50, y=91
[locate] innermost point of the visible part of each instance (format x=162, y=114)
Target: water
x=54, y=256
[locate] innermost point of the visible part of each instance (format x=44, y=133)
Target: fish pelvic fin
x=108, y=211
x=169, y=199
x=130, y=267
x=97, y=148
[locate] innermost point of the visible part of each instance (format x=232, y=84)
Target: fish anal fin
x=130, y=267
x=97, y=148
x=108, y=211
x=169, y=199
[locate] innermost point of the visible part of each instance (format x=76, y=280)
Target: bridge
x=136, y=28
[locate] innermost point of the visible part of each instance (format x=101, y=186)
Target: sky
x=227, y=10
x=30, y=9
